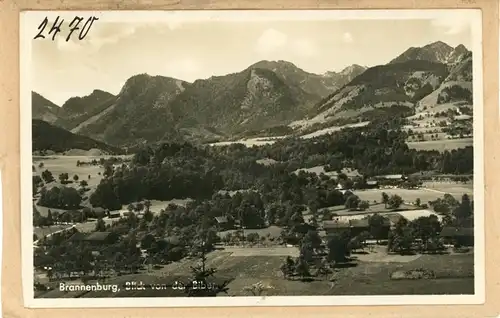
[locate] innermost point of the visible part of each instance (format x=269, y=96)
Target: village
x=374, y=210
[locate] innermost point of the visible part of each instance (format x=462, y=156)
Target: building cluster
x=464, y=236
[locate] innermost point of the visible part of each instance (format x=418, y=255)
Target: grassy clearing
x=441, y=145
x=452, y=188
x=374, y=278
x=332, y=129
x=409, y=196
x=41, y=232
x=411, y=213
x=340, y=210
x=67, y=164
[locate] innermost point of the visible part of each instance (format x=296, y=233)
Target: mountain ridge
x=433, y=52
x=46, y=136
x=418, y=79
x=44, y=109
x=265, y=96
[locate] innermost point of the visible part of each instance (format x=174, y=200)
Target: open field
x=48, y=230
x=67, y=164
x=452, y=188
x=441, y=145
x=84, y=227
x=260, y=141
x=408, y=214
x=410, y=195
x=261, y=251
x=330, y=130
x=379, y=254
x=454, y=275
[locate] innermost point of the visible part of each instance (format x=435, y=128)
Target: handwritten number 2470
x=73, y=26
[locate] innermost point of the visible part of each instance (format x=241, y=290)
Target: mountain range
x=267, y=95
x=413, y=81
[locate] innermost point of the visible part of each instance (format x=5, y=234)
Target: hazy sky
x=189, y=50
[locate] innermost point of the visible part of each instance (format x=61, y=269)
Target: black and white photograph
x=240, y=158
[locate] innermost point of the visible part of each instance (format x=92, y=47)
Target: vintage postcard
x=252, y=158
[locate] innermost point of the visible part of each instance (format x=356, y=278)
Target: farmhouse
x=354, y=226
x=391, y=177
x=463, y=117
x=462, y=236
x=121, y=229
x=101, y=238
x=77, y=237
x=335, y=226
x=340, y=186
x=114, y=214
x=358, y=226
x=223, y=223
x=362, y=225
x=372, y=184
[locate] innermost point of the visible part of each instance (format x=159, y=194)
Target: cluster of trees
x=41, y=221
x=313, y=254
x=60, y=198
x=47, y=176
x=65, y=257
x=457, y=161
x=64, y=178
x=422, y=91
x=238, y=237
x=372, y=150
x=450, y=112
x=102, y=161
x=395, y=113
x=36, y=182
x=454, y=93
x=167, y=172
x=425, y=230
x=455, y=213
x=461, y=129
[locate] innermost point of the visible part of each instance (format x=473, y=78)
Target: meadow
x=425, y=194
x=441, y=145
x=67, y=164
